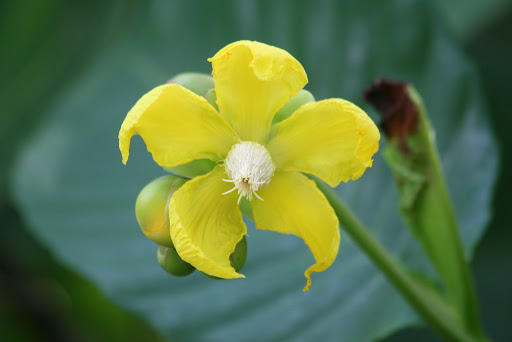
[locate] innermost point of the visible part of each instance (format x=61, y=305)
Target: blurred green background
x=59, y=56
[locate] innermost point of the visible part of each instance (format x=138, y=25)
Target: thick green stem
x=428, y=304
x=436, y=226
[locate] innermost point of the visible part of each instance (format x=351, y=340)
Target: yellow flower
x=332, y=139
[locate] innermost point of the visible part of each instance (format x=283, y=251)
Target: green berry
x=237, y=258
x=193, y=169
x=301, y=98
x=171, y=262
x=194, y=81
x=211, y=97
x=151, y=208
x=246, y=209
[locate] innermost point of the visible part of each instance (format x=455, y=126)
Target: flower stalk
x=425, y=204
x=433, y=309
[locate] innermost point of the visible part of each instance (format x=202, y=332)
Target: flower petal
x=206, y=225
x=253, y=81
x=177, y=126
x=292, y=204
x=332, y=139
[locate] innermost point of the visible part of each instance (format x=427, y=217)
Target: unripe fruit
x=151, y=208
x=238, y=257
x=211, y=97
x=246, y=208
x=171, y=262
x=194, y=81
x=301, y=98
x=193, y=169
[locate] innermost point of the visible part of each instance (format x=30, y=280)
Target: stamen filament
x=257, y=196
x=229, y=191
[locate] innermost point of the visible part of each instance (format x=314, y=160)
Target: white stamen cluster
x=249, y=167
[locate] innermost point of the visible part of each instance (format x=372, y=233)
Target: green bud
x=237, y=258
x=194, y=81
x=302, y=97
x=151, y=208
x=171, y=262
x=245, y=208
x=193, y=169
x=211, y=97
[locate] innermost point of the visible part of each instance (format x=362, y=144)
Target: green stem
x=428, y=304
x=438, y=226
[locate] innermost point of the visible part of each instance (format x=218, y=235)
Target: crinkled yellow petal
x=252, y=82
x=292, y=204
x=177, y=126
x=332, y=139
x=206, y=225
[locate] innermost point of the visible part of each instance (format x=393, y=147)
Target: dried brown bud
x=399, y=113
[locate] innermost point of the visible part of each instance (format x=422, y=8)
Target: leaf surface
x=78, y=198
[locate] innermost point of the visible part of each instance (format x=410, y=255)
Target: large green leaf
x=466, y=18
x=79, y=199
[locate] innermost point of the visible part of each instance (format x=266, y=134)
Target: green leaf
x=466, y=18
x=78, y=198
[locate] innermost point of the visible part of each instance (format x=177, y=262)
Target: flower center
x=249, y=167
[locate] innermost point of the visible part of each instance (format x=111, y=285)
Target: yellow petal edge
x=177, y=126
x=292, y=204
x=252, y=82
x=205, y=226
x=332, y=139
